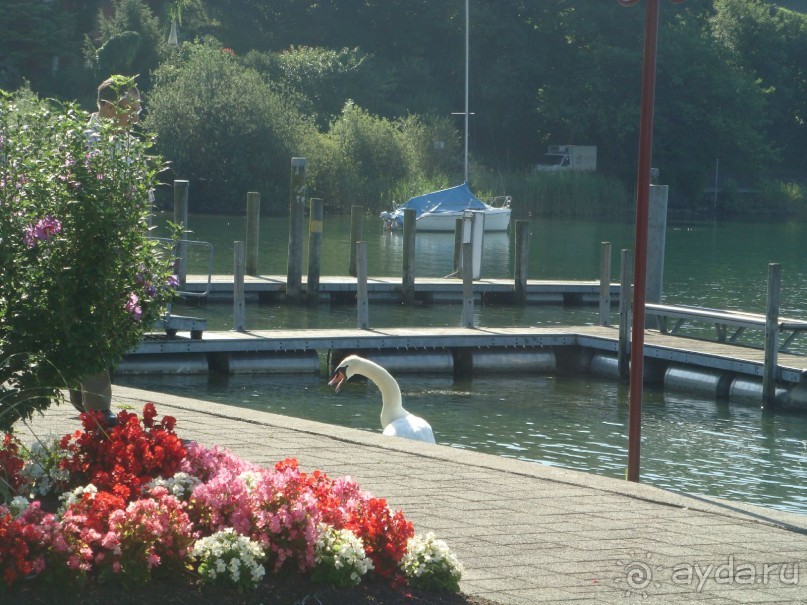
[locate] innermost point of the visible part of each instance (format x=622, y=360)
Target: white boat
x=439, y=210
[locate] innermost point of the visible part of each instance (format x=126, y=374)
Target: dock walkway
x=526, y=533
x=427, y=289
x=584, y=343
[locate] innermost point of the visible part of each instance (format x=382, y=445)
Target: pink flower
x=133, y=307
x=43, y=230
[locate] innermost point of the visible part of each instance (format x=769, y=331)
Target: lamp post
x=640, y=246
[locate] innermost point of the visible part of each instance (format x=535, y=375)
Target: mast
x=467, y=71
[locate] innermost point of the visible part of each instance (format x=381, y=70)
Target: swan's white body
x=395, y=420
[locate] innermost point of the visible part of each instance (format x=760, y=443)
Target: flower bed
x=134, y=504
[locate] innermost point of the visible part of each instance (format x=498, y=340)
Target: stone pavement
x=526, y=533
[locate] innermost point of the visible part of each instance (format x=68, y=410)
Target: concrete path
x=526, y=533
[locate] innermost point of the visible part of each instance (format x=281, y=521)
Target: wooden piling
x=181, y=218
x=605, y=284
x=625, y=298
x=239, y=306
x=362, y=304
x=467, y=285
x=457, y=246
x=408, y=281
x=294, y=275
x=316, y=210
x=770, y=370
x=521, y=262
x=356, y=230
x=253, y=239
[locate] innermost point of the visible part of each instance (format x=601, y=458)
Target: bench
x=722, y=320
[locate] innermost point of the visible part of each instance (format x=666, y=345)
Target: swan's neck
x=392, y=407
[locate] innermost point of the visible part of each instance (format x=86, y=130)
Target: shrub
x=224, y=128
x=80, y=281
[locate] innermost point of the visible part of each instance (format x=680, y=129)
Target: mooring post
x=316, y=209
x=605, y=284
x=239, y=307
x=181, y=218
x=457, y=246
x=362, y=304
x=356, y=229
x=467, y=285
x=625, y=297
x=521, y=262
x=656, y=238
x=771, y=367
x=253, y=239
x=294, y=276
x=408, y=282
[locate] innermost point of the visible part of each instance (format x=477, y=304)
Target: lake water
x=689, y=444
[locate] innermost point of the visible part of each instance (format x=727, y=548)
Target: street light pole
x=642, y=213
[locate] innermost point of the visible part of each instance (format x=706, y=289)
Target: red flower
x=384, y=535
x=123, y=458
x=10, y=462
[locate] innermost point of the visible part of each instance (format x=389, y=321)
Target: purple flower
x=172, y=281
x=133, y=308
x=44, y=230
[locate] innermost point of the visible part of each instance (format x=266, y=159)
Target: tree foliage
x=223, y=127
x=731, y=83
x=80, y=281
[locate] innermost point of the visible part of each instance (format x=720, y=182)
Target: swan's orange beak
x=339, y=378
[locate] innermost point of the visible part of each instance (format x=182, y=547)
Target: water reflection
x=688, y=445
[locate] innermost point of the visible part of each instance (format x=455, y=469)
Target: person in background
x=121, y=104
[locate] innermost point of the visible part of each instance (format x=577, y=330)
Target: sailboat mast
x=467, y=72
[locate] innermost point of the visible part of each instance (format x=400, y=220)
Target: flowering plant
x=81, y=279
x=133, y=503
x=11, y=464
x=429, y=563
x=43, y=473
x=340, y=558
x=384, y=534
x=230, y=559
x=125, y=457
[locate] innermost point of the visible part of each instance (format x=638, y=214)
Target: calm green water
x=689, y=444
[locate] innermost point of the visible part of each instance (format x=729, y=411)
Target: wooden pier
x=723, y=370
x=389, y=289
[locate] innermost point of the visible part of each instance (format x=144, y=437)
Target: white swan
x=395, y=420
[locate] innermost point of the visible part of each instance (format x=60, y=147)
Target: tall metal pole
x=467, y=74
x=640, y=258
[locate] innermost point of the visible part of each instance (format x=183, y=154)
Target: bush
x=224, y=129
x=80, y=280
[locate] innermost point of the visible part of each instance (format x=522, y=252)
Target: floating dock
x=719, y=370
x=269, y=288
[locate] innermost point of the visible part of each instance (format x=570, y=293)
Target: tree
x=224, y=127
x=770, y=46
x=35, y=34
x=80, y=281
x=130, y=42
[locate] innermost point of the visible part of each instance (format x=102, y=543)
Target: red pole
x=640, y=257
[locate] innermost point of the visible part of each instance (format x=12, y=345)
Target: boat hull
x=496, y=219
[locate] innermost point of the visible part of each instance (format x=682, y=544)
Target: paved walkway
x=526, y=533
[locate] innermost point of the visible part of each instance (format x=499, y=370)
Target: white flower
x=67, y=499
x=41, y=472
x=225, y=555
x=430, y=563
x=342, y=551
x=250, y=479
x=18, y=506
x=181, y=485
